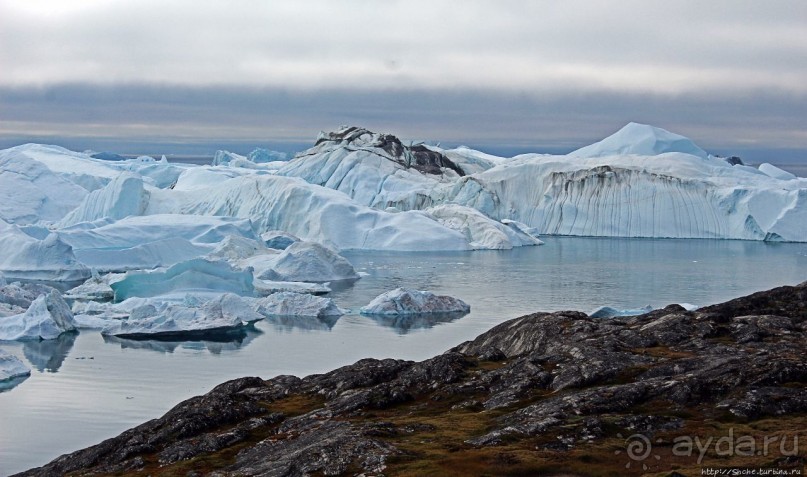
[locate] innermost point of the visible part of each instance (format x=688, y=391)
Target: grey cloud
x=503, y=122
x=545, y=46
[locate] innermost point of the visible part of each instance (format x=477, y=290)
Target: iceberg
x=28, y=258
x=297, y=304
x=480, y=231
x=641, y=140
x=97, y=287
x=775, y=172
x=227, y=313
x=45, y=319
x=309, y=262
x=191, y=275
x=404, y=301
x=610, y=312
x=147, y=242
x=11, y=367
x=123, y=196
x=278, y=239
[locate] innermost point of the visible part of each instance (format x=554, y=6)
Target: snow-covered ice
x=297, y=304
x=404, y=301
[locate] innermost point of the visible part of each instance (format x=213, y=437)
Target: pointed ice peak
x=640, y=139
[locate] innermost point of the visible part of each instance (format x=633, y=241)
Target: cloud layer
x=731, y=72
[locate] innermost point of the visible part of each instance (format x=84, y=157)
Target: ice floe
x=404, y=301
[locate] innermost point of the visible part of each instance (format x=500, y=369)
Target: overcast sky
x=520, y=75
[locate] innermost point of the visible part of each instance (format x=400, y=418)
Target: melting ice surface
x=86, y=388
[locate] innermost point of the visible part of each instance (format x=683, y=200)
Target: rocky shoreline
x=545, y=394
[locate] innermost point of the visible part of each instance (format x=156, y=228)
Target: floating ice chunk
x=309, y=262
x=278, y=239
x=640, y=139
x=775, y=172
x=229, y=312
x=481, y=231
x=46, y=318
x=50, y=259
x=609, y=312
x=267, y=287
x=11, y=367
x=297, y=304
x=404, y=301
x=191, y=275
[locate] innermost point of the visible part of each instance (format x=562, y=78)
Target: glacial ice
x=610, y=312
x=192, y=275
x=46, y=318
x=309, y=262
x=480, y=231
x=775, y=172
x=97, y=287
x=11, y=367
x=404, y=301
x=29, y=258
x=226, y=313
x=362, y=190
x=297, y=304
x=278, y=239
x=125, y=195
x=641, y=140
x=146, y=242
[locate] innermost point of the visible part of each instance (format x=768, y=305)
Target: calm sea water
x=85, y=388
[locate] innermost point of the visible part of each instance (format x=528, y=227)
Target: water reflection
x=213, y=343
x=403, y=324
x=49, y=355
x=308, y=323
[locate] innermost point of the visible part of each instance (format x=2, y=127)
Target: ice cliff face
x=640, y=182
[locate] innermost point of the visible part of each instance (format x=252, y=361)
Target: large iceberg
x=46, y=318
x=640, y=182
x=146, y=242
